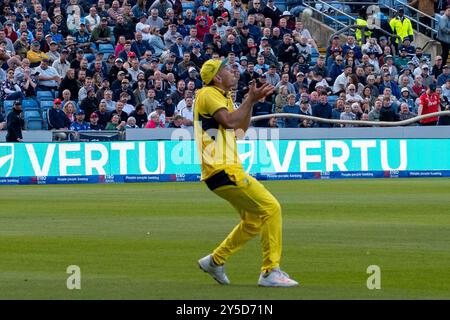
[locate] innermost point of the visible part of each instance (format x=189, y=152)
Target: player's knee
x=252, y=228
x=275, y=208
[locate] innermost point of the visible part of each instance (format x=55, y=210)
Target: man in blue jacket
x=322, y=110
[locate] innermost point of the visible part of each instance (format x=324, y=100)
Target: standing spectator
x=322, y=110
x=444, y=33
x=15, y=123
x=429, y=103
x=291, y=107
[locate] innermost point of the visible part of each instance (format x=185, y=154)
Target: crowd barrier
x=158, y=161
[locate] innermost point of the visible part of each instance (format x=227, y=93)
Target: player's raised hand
x=255, y=94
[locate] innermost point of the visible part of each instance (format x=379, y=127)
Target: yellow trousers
x=260, y=214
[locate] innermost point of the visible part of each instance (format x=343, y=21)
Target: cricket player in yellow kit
x=215, y=126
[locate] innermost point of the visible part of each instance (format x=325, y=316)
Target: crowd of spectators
x=149, y=76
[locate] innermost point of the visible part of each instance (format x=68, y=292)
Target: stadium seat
x=45, y=119
x=45, y=105
x=8, y=104
x=44, y=95
x=32, y=114
x=33, y=124
x=106, y=47
x=30, y=104
x=332, y=100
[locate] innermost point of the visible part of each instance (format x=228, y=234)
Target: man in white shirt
x=92, y=20
x=62, y=64
x=143, y=27
x=342, y=80
x=49, y=78
x=188, y=113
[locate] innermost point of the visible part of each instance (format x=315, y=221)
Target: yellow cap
x=210, y=68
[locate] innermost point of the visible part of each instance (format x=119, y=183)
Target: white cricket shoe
x=276, y=278
x=215, y=271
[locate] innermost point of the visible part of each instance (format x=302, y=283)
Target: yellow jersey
x=216, y=145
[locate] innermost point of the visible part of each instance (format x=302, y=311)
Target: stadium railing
x=353, y=122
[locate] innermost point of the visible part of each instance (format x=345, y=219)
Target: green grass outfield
x=142, y=241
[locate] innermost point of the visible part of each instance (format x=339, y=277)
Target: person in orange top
x=429, y=103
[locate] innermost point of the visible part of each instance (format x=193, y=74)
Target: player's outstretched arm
x=240, y=118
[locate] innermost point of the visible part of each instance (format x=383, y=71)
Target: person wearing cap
x=62, y=64
x=82, y=38
x=15, y=123
x=35, y=55
x=57, y=120
x=79, y=124
x=444, y=76
x=94, y=124
x=226, y=178
x=178, y=48
x=170, y=37
x=101, y=34
x=204, y=14
x=406, y=98
x=406, y=44
x=401, y=26
x=401, y=61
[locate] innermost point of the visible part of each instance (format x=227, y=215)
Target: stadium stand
x=158, y=56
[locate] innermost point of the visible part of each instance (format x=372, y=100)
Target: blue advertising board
x=146, y=161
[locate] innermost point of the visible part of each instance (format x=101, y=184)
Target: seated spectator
x=374, y=114
x=131, y=123
x=154, y=122
x=69, y=110
x=115, y=123
x=49, y=78
x=10, y=90
x=93, y=123
x=79, y=124
x=140, y=115
x=406, y=114
x=176, y=122
x=347, y=114
x=57, y=120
